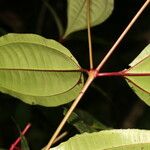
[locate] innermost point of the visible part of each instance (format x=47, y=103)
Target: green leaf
x=130, y=139
x=84, y=122
x=38, y=70
x=24, y=143
x=140, y=82
x=145, y=53
x=100, y=11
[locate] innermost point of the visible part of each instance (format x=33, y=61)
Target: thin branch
x=19, y=138
x=109, y=74
x=133, y=116
x=57, y=19
x=92, y=76
x=41, y=18
x=89, y=33
x=122, y=35
x=73, y=106
x=102, y=92
x=121, y=73
x=60, y=137
x=136, y=74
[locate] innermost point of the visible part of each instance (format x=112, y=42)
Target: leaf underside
x=38, y=70
x=141, y=84
x=130, y=139
x=77, y=10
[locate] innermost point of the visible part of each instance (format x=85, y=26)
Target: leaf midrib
x=76, y=18
x=38, y=70
x=137, y=85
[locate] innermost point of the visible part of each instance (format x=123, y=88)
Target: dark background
x=115, y=105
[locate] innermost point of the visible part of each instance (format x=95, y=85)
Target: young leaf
x=38, y=70
x=130, y=139
x=77, y=10
x=140, y=82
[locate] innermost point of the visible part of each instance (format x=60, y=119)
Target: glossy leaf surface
x=38, y=70
x=130, y=139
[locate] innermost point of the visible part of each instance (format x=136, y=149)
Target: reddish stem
x=109, y=74
x=120, y=73
x=136, y=74
x=13, y=146
x=84, y=70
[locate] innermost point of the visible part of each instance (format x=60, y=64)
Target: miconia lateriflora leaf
x=138, y=75
x=130, y=139
x=38, y=70
x=100, y=10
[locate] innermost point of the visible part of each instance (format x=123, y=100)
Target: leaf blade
x=140, y=84
x=100, y=11
x=109, y=140
x=33, y=67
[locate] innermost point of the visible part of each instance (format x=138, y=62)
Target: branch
x=19, y=138
x=101, y=64
x=89, y=33
x=57, y=19
x=73, y=106
x=92, y=75
x=120, y=73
